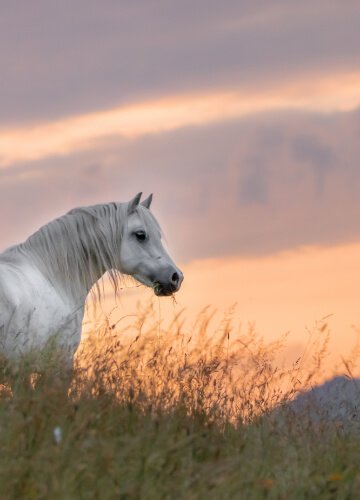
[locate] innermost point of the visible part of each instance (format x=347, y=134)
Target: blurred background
x=242, y=117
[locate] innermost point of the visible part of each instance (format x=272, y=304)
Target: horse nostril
x=175, y=278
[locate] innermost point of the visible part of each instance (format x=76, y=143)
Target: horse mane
x=74, y=250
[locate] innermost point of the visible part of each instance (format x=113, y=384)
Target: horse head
x=143, y=255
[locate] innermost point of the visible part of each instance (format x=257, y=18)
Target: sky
x=243, y=119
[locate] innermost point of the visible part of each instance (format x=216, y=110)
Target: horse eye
x=140, y=235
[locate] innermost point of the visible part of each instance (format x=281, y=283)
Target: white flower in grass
x=57, y=434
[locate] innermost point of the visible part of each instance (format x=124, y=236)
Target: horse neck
x=74, y=252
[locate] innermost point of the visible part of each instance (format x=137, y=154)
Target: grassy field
x=157, y=412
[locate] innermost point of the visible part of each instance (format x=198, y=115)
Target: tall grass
x=171, y=411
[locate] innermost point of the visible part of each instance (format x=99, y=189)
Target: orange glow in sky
x=285, y=292
x=324, y=95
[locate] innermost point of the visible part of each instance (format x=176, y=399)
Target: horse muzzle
x=170, y=286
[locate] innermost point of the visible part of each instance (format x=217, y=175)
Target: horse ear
x=147, y=202
x=134, y=203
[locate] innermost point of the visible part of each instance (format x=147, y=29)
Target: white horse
x=44, y=281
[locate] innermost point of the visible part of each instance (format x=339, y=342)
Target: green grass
x=169, y=414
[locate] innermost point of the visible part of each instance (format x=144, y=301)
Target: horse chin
x=161, y=291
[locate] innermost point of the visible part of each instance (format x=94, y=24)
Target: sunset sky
x=242, y=117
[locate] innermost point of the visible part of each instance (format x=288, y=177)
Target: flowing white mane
x=73, y=250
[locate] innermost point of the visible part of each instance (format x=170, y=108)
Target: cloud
x=58, y=59
x=318, y=155
x=86, y=131
x=253, y=186
x=248, y=187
